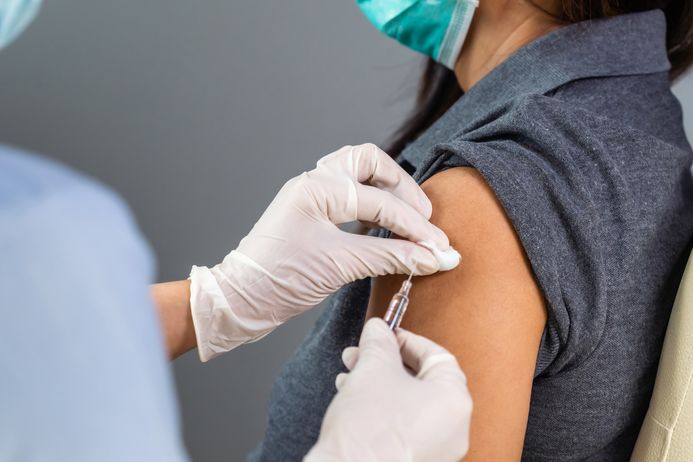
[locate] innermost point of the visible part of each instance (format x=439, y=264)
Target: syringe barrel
x=398, y=306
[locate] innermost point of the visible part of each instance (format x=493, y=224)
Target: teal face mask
x=15, y=16
x=436, y=28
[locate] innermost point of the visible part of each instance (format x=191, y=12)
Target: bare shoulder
x=489, y=311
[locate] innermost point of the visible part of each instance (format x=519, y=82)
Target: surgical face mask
x=436, y=28
x=15, y=16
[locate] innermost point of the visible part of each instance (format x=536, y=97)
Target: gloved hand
x=384, y=413
x=295, y=255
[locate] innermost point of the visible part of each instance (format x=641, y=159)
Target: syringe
x=398, y=305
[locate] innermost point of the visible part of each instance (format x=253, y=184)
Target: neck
x=498, y=30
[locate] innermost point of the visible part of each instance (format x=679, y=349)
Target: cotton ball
x=447, y=259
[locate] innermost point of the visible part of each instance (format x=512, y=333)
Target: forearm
x=172, y=300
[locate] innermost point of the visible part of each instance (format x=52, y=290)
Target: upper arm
x=489, y=311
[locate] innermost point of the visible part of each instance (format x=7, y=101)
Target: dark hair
x=438, y=87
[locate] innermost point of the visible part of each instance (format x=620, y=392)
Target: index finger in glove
x=426, y=358
x=367, y=163
x=390, y=212
x=350, y=356
x=377, y=346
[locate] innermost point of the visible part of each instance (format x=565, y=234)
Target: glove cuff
x=215, y=306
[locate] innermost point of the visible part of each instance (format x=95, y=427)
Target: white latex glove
x=384, y=413
x=295, y=255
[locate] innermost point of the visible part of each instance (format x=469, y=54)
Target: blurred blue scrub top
x=83, y=373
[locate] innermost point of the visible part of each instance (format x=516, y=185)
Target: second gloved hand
x=385, y=412
x=296, y=255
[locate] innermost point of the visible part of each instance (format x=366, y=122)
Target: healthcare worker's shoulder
x=37, y=191
x=76, y=273
x=27, y=180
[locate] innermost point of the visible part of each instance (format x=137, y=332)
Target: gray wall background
x=196, y=113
